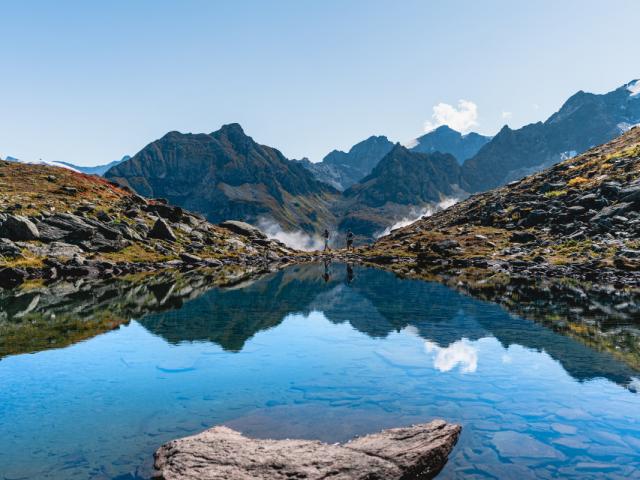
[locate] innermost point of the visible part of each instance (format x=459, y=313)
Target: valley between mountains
x=375, y=186
x=560, y=246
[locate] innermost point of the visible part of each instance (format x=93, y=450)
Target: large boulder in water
x=416, y=452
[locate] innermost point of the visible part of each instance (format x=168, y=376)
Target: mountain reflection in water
x=312, y=351
x=375, y=303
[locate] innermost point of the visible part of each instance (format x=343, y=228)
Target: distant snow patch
x=41, y=162
x=634, y=88
x=295, y=239
x=625, y=126
x=568, y=154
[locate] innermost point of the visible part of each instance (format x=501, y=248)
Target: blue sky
x=88, y=82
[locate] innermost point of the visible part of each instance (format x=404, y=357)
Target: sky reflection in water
x=291, y=355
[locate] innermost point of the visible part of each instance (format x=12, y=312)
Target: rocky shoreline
x=58, y=224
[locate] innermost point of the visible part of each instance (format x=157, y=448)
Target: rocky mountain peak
x=447, y=140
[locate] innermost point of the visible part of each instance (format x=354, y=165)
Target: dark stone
x=576, y=210
x=190, y=259
x=12, y=277
x=173, y=214
x=535, y=217
x=445, y=247
x=522, y=237
x=162, y=231
x=69, y=227
x=9, y=249
x=104, y=217
x=610, y=190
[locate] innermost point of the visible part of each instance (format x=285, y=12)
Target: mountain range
x=374, y=185
x=584, y=121
x=341, y=169
x=446, y=140
x=227, y=175
x=404, y=184
x=98, y=169
x=95, y=170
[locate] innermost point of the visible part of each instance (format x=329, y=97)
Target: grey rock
x=416, y=452
x=66, y=226
x=54, y=249
x=104, y=217
x=162, y=231
x=576, y=210
x=612, y=211
x=446, y=247
x=17, y=227
x=189, y=258
x=243, y=228
x=610, y=190
x=630, y=194
x=535, y=217
x=9, y=249
x=173, y=214
x=213, y=262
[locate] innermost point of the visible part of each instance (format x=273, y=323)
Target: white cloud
x=463, y=118
x=295, y=239
x=634, y=88
x=461, y=353
x=416, y=214
x=536, y=106
x=506, y=115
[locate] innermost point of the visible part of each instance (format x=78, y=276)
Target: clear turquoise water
x=294, y=356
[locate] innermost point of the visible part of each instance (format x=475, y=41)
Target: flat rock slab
x=415, y=452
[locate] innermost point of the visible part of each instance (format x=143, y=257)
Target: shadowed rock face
x=416, y=452
x=403, y=182
x=226, y=175
x=343, y=169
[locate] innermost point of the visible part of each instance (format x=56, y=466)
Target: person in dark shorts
x=349, y=240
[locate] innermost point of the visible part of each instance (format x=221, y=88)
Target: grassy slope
x=484, y=231
x=31, y=189
x=546, y=282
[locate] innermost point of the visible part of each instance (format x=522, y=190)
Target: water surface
x=326, y=354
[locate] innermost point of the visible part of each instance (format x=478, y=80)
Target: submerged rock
x=416, y=452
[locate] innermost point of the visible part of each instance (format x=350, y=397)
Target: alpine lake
x=94, y=378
